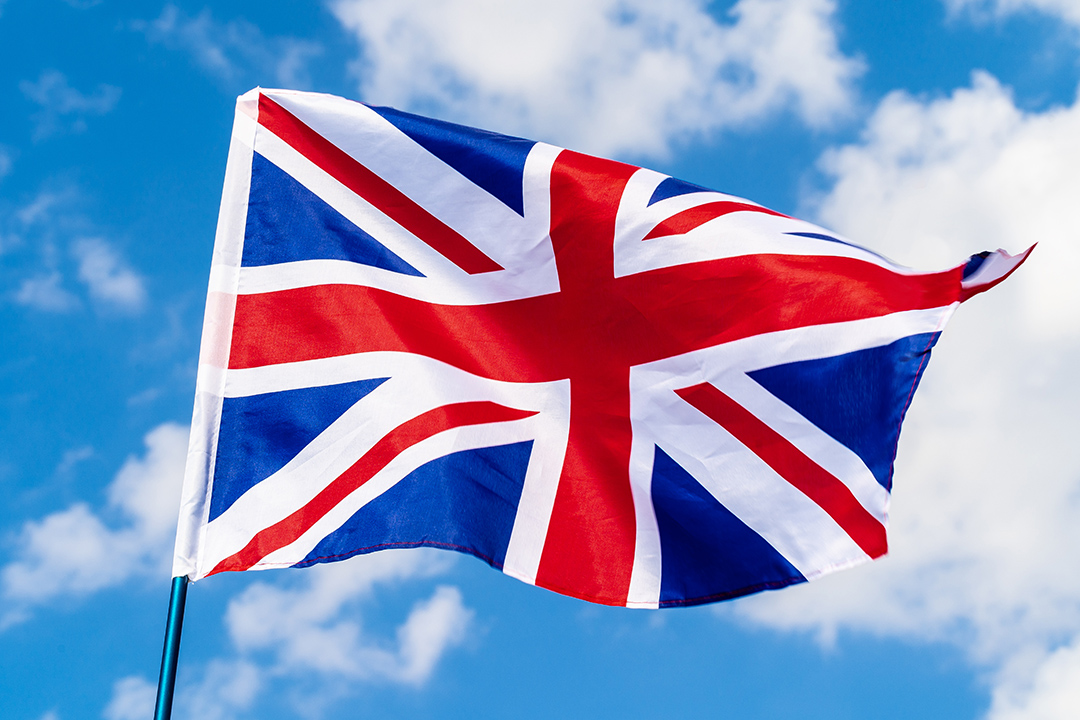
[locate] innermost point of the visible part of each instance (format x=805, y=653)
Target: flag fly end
x=987, y=269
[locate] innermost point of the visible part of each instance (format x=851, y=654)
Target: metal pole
x=171, y=652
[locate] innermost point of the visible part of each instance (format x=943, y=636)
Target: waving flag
x=594, y=377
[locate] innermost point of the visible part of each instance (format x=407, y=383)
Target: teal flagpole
x=171, y=653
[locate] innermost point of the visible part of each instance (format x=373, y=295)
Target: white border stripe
x=216, y=340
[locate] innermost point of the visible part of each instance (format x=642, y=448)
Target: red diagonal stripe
x=390, y=446
x=389, y=200
x=687, y=220
x=791, y=464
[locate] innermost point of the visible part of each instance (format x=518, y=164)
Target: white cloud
x=145, y=397
x=38, y=209
x=932, y=179
x=1051, y=691
x=133, y=698
x=314, y=627
x=73, y=457
x=308, y=627
x=1067, y=10
x=63, y=108
x=225, y=689
x=433, y=626
x=6, y=161
x=106, y=276
x=44, y=225
x=76, y=552
x=987, y=494
x=44, y=291
x=231, y=51
x=605, y=76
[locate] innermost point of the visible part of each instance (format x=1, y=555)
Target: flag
x=594, y=377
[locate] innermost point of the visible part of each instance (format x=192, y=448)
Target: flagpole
x=171, y=653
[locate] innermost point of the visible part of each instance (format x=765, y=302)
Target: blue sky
x=927, y=130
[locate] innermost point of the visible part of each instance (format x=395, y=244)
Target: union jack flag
x=595, y=377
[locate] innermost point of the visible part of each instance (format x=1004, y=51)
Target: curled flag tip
x=987, y=269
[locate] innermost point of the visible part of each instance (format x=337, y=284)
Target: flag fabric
x=594, y=377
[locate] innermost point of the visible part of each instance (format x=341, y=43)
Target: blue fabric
x=287, y=222
x=707, y=553
x=492, y=161
x=859, y=398
x=261, y=433
x=466, y=501
x=974, y=263
x=673, y=187
x=819, y=236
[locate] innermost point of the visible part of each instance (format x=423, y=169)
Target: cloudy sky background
x=927, y=130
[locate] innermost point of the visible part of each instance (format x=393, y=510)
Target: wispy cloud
x=987, y=491
x=6, y=161
x=44, y=225
x=73, y=457
x=76, y=552
x=106, y=276
x=108, y=280
x=233, y=52
x=605, y=76
x=63, y=108
x=37, y=210
x=1067, y=10
x=145, y=397
x=45, y=292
